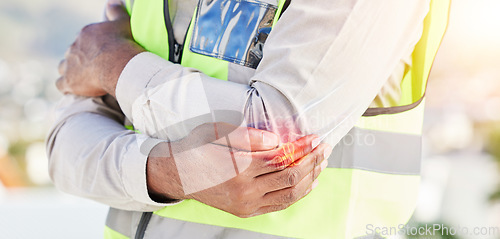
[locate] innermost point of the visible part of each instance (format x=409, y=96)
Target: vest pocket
x=232, y=30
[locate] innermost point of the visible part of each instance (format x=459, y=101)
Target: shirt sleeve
x=324, y=63
x=92, y=155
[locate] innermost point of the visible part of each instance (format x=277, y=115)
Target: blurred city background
x=460, y=169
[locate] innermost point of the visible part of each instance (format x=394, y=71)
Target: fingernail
x=314, y=184
x=315, y=142
x=327, y=152
x=270, y=140
x=324, y=164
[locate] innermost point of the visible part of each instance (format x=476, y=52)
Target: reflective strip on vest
x=368, y=150
x=351, y=199
x=373, y=173
x=169, y=228
x=119, y=222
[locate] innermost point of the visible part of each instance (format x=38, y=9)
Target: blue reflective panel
x=232, y=30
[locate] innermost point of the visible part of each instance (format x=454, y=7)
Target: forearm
x=93, y=156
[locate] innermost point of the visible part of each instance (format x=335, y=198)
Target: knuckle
x=93, y=28
x=59, y=83
x=293, y=196
x=290, y=197
x=277, y=163
x=88, y=28
x=293, y=177
x=62, y=67
x=72, y=49
x=318, y=157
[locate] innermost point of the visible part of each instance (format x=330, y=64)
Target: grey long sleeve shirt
x=325, y=62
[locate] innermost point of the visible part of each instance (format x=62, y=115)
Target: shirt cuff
x=135, y=77
x=134, y=170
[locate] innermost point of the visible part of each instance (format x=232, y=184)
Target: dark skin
x=276, y=177
x=94, y=62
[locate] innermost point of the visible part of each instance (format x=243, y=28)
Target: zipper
x=143, y=224
x=177, y=52
x=174, y=48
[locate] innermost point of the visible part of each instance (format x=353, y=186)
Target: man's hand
x=248, y=178
x=94, y=62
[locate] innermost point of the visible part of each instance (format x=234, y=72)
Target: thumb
x=115, y=10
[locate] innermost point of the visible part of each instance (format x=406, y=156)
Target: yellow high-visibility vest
x=365, y=185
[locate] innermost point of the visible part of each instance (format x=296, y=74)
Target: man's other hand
x=236, y=169
x=94, y=62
